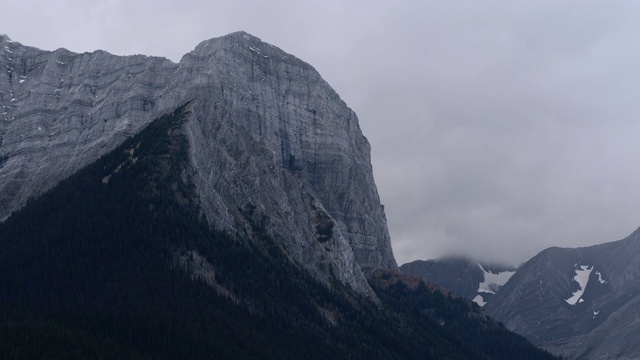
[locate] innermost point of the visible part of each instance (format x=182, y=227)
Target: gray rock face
x=579, y=303
x=60, y=111
x=615, y=338
x=274, y=149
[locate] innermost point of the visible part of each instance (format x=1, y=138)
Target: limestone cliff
x=273, y=148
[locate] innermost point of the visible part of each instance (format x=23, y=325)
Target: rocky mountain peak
x=238, y=38
x=245, y=48
x=236, y=41
x=5, y=39
x=273, y=148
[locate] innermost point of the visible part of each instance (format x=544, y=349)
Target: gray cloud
x=497, y=128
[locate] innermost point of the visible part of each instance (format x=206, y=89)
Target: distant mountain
x=470, y=279
x=581, y=303
x=119, y=261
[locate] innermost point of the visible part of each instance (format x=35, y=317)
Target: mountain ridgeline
x=581, y=303
x=223, y=207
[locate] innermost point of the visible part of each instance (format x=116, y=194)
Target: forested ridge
x=101, y=266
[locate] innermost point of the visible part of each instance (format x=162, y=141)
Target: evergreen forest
x=118, y=261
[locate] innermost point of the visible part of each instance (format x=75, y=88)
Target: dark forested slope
x=117, y=261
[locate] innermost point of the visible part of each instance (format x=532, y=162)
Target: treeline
x=460, y=321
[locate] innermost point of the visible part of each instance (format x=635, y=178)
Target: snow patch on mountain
x=493, y=281
x=479, y=300
x=582, y=278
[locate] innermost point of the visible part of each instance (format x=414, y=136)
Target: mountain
x=221, y=207
x=580, y=303
x=467, y=278
x=119, y=260
x=271, y=143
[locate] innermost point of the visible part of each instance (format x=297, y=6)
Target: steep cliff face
x=274, y=148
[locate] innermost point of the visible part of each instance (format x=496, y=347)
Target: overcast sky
x=498, y=128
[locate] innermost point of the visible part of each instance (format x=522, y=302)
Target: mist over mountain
x=470, y=279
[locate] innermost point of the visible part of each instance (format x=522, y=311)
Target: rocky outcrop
x=274, y=150
x=579, y=303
